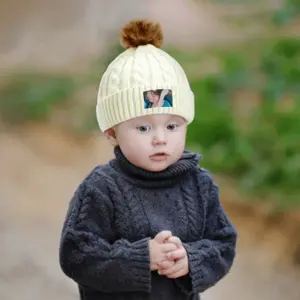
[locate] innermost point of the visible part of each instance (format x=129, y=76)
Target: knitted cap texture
x=143, y=80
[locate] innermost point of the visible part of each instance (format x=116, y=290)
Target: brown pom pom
x=141, y=32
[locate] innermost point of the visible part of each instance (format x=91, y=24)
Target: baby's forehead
x=158, y=119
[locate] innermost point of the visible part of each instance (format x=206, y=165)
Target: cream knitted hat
x=143, y=80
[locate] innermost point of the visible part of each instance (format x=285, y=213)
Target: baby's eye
x=172, y=127
x=143, y=128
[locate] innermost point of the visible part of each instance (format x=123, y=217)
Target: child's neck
x=173, y=173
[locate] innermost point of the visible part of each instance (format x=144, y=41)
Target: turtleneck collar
x=167, y=177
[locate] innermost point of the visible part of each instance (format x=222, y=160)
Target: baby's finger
x=166, y=264
x=168, y=247
x=175, y=240
x=174, y=269
x=177, y=254
x=162, y=236
x=177, y=274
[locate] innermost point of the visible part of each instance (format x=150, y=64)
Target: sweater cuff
x=195, y=266
x=139, y=265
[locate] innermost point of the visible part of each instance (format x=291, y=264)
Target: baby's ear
x=111, y=136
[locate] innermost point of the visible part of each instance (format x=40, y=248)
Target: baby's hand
x=159, y=250
x=177, y=264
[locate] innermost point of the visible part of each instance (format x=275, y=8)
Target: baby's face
x=152, y=142
x=152, y=97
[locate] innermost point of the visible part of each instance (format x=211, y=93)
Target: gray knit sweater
x=115, y=211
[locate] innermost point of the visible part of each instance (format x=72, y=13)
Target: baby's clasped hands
x=168, y=256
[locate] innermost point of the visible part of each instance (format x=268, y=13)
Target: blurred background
x=243, y=62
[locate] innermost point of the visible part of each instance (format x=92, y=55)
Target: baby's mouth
x=160, y=153
x=159, y=156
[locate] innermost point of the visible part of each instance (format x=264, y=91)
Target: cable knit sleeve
x=88, y=252
x=210, y=258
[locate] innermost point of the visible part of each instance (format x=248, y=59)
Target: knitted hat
x=143, y=80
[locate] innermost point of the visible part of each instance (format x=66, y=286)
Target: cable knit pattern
x=116, y=210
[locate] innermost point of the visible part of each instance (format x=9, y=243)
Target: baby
x=149, y=223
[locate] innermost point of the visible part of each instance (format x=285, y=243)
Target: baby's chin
x=156, y=166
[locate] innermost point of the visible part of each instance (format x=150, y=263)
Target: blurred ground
x=57, y=35
x=42, y=169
